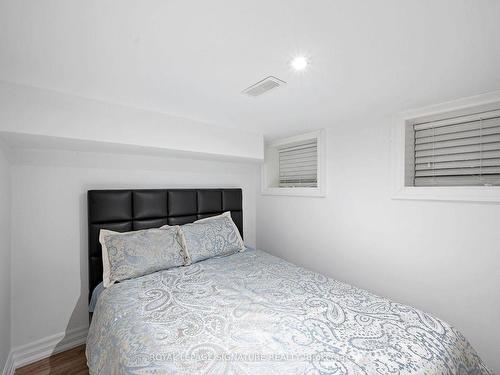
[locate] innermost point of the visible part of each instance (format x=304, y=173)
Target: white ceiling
x=193, y=58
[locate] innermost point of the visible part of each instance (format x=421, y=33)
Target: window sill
x=297, y=192
x=450, y=193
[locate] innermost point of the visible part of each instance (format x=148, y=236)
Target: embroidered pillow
x=211, y=237
x=133, y=254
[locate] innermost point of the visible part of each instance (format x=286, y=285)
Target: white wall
x=35, y=111
x=442, y=257
x=49, y=234
x=4, y=256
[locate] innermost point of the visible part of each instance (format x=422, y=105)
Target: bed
x=250, y=312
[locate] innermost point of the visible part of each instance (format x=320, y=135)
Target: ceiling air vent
x=261, y=87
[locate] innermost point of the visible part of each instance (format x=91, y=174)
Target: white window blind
x=459, y=151
x=298, y=164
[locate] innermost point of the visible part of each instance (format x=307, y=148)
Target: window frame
x=401, y=152
x=319, y=191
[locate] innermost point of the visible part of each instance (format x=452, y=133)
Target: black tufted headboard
x=126, y=210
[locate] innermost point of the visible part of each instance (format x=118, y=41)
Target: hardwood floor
x=70, y=362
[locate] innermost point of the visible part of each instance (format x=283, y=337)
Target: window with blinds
x=458, y=151
x=298, y=164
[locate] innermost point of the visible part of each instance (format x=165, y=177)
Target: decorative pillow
x=211, y=237
x=133, y=254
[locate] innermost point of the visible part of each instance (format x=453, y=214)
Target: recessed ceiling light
x=299, y=63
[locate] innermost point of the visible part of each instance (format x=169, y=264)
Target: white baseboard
x=43, y=348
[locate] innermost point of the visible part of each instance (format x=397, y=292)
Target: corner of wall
x=5, y=267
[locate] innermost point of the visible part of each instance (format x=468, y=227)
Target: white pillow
x=211, y=237
x=137, y=253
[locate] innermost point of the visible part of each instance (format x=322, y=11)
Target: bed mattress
x=253, y=313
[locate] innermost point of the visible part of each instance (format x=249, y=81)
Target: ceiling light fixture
x=299, y=63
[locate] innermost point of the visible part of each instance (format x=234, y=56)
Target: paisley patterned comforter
x=252, y=313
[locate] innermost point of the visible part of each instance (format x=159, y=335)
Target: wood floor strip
x=70, y=362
